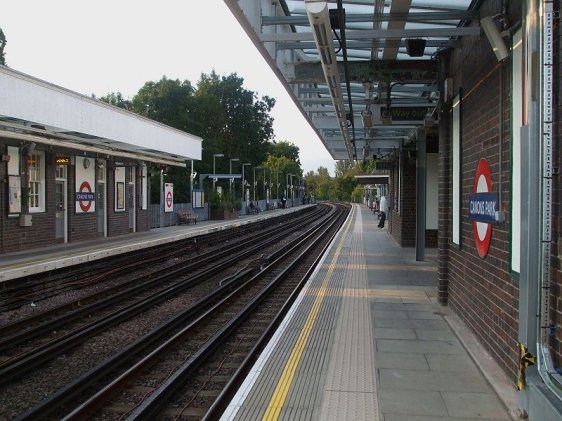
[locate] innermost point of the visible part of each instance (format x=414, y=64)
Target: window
x=516, y=124
x=456, y=158
x=60, y=172
x=36, y=169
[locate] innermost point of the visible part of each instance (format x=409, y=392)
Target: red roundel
x=85, y=205
x=482, y=230
x=169, y=199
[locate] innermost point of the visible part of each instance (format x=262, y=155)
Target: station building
x=74, y=168
x=476, y=173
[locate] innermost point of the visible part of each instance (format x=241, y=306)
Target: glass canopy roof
x=363, y=72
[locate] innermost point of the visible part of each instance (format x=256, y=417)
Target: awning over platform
x=32, y=109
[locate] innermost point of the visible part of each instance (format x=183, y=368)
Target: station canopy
x=33, y=110
x=364, y=73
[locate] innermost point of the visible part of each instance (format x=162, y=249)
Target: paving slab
x=422, y=347
x=476, y=405
x=450, y=362
x=404, y=361
x=412, y=402
x=393, y=333
x=392, y=378
x=435, y=335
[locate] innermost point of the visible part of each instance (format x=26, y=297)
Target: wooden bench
x=185, y=217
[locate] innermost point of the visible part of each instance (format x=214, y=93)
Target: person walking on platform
x=383, y=208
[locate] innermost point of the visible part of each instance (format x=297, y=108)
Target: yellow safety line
x=286, y=380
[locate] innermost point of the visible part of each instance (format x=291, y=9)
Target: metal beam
x=405, y=71
x=382, y=33
x=363, y=45
x=370, y=17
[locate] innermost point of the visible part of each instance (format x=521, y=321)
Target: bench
x=185, y=217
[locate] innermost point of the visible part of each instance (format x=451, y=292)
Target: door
x=61, y=231
x=131, y=200
x=101, y=205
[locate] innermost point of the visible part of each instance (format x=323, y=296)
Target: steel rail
x=150, y=406
x=21, y=363
x=91, y=405
x=232, y=386
x=82, y=309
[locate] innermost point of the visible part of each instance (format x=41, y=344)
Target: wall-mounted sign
x=198, y=198
x=85, y=193
x=168, y=197
x=62, y=160
x=406, y=113
x=483, y=205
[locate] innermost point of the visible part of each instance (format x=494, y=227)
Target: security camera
x=494, y=37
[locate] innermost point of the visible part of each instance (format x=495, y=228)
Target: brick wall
x=117, y=221
x=402, y=216
x=81, y=226
x=481, y=290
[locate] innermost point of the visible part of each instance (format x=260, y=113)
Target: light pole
x=255, y=184
x=288, y=185
x=244, y=182
x=264, y=192
x=230, y=169
x=220, y=155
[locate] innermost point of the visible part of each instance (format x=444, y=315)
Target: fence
x=171, y=218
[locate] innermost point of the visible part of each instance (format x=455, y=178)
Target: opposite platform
x=25, y=263
x=365, y=340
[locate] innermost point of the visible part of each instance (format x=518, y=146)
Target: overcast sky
x=97, y=47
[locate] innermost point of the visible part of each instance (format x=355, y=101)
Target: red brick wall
x=481, y=290
x=402, y=219
x=81, y=227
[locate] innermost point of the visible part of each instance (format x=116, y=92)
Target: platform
x=38, y=260
x=366, y=340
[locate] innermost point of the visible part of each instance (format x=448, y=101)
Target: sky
x=97, y=47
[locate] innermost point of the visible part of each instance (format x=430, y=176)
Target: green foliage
x=225, y=201
x=3, y=43
x=341, y=187
x=116, y=99
x=230, y=119
x=285, y=149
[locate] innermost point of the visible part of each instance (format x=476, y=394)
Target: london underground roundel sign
x=483, y=204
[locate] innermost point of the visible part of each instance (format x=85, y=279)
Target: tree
x=3, y=43
x=166, y=101
x=286, y=149
x=116, y=99
x=230, y=119
x=343, y=166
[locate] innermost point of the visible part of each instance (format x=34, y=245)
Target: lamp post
x=220, y=155
x=289, y=185
x=255, y=183
x=264, y=190
x=277, y=185
x=230, y=169
x=244, y=182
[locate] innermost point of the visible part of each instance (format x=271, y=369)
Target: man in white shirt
x=383, y=210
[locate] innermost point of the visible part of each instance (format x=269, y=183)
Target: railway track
x=35, y=288
x=222, y=337
x=237, y=276
x=143, y=292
